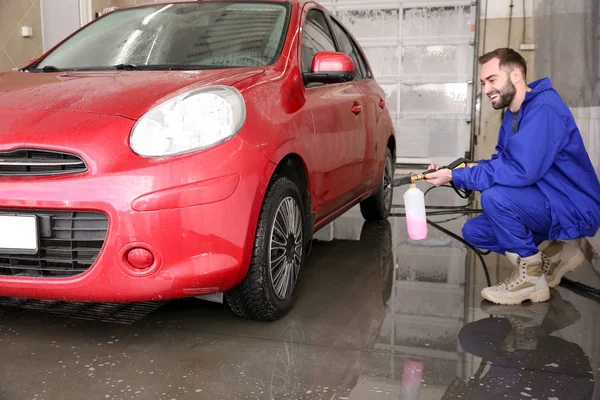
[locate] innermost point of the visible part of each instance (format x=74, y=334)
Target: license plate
x=18, y=234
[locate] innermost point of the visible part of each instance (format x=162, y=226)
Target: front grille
x=69, y=243
x=27, y=162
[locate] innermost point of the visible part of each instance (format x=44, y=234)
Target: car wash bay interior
x=422, y=55
x=379, y=316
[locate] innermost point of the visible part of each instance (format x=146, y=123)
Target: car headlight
x=189, y=122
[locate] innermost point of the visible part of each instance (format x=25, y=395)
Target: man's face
x=496, y=84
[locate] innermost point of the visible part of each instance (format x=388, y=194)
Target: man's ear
x=515, y=76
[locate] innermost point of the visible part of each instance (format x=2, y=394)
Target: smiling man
x=538, y=192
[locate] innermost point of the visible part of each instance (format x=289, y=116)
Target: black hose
x=524, y=22
x=436, y=225
x=450, y=210
x=463, y=241
x=581, y=286
x=480, y=92
x=474, y=94
x=442, y=212
x=581, y=289
x=465, y=207
x=451, y=219
x=510, y=18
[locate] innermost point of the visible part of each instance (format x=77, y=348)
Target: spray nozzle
x=411, y=178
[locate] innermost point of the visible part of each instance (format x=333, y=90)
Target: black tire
x=257, y=297
x=378, y=206
x=376, y=237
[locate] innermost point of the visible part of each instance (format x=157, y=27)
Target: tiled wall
x=16, y=50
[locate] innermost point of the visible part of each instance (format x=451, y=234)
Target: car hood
x=123, y=93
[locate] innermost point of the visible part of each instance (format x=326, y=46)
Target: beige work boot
x=527, y=282
x=562, y=258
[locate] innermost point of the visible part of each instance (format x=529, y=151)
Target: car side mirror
x=331, y=67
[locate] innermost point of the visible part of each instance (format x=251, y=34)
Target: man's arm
x=445, y=176
x=527, y=157
x=499, y=150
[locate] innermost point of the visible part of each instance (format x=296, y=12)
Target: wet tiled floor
x=379, y=317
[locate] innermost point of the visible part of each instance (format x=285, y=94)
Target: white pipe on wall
x=85, y=10
x=60, y=18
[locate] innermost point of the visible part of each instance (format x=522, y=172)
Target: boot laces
x=508, y=282
x=514, y=278
x=546, y=263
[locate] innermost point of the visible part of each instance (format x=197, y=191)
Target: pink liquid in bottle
x=417, y=227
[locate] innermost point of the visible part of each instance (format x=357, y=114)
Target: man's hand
x=440, y=177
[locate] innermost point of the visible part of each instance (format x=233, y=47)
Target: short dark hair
x=508, y=58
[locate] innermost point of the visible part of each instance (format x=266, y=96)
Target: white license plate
x=18, y=234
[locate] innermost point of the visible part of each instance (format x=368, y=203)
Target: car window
x=363, y=64
x=315, y=38
x=191, y=35
x=348, y=46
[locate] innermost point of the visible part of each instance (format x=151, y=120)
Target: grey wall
x=567, y=34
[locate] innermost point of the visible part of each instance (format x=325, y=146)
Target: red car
x=186, y=148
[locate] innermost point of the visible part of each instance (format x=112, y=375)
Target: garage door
x=422, y=55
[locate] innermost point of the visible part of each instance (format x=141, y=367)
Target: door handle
x=356, y=108
x=381, y=103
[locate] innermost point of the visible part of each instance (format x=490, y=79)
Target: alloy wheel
x=285, y=248
x=388, y=176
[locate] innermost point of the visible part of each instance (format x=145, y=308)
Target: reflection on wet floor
x=521, y=358
x=122, y=313
x=378, y=317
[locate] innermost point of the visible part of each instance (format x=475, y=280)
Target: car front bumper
x=196, y=214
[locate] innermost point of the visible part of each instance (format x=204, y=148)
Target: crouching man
x=538, y=192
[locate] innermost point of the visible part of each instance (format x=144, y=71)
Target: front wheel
x=379, y=205
x=270, y=287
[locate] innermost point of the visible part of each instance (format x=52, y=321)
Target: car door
x=373, y=107
x=337, y=111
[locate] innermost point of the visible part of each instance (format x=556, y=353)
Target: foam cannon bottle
x=414, y=206
x=416, y=217
x=414, y=201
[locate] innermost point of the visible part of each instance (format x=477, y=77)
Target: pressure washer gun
x=414, y=199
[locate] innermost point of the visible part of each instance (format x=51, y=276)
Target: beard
x=505, y=95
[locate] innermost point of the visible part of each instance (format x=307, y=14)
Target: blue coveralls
x=541, y=183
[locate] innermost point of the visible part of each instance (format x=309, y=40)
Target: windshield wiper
x=51, y=68
x=127, y=67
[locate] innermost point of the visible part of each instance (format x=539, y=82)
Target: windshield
x=177, y=36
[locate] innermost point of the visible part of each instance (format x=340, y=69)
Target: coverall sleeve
x=485, y=161
x=527, y=156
